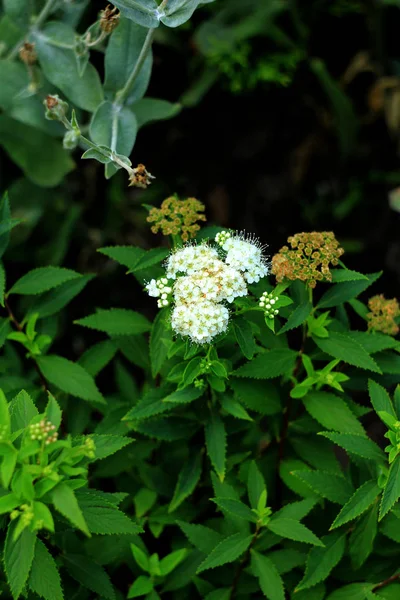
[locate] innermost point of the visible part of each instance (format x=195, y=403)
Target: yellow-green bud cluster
x=267, y=303
x=3, y=431
x=393, y=436
x=222, y=237
x=89, y=448
x=44, y=431
x=177, y=217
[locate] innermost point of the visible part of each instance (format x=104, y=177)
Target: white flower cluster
x=267, y=302
x=205, y=280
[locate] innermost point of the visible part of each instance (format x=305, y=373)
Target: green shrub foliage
x=244, y=443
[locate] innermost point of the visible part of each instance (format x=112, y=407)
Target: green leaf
x=332, y=486
x=115, y=127
x=143, y=12
x=321, y=561
x=269, y=579
x=357, y=444
x=178, y=12
x=244, y=337
x=255, y=484
x=340, y=275
x=226, y=551
x=107, y=444
x=41, y=157
x=234, y=408
x=69, y=377
x=391, y=492
x=5, y=217
x=286, y=560
x=18, y=558
x=90, y=575
x=362, y=538
x=276, y=362
x=293, y=530
x=150, y=405
x=260, y=396
x=140, y=557
x=297, y=510
x=123, y=51
x=188, y=479
x=60, y=68
x=203, y=538
x=127, y=256
x=297, y=317
x=375, y=342
x=22, y=410
x=150, y=258
x=343, y=292
x=116, y=321
x=141, y=586
x=55, y=300
x=360, y=501
x=332, y=412
x=65, y=502
x=236, y=508
x=53, y=411
x=184, y=396
x=2, y=283
x=8, y=502
x=107, y=520
x=216, y=443
x=97, y=357
x=42, y=279
x=380, y=399
x=44, y=578
x=102, y=154
x=347, y=349
x=160, y=342
x=170, y=562
x=148, y=110
x=353, y=591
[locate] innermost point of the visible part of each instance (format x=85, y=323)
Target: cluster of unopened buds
x=205, y=280
x=44, y=431
x=267, y=302
x=89, y=448
x=26, y=513
x=3, y=431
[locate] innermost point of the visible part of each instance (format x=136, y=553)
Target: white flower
x=246, y=256
x=152, y=288
x=201, y=321
x=189, y=260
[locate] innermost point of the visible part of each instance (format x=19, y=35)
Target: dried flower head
x=177, y=217
x=383, y=314
x=56, y=109
x=140, y=177
x=109, y=19
x=308, y=258
x=27, y=53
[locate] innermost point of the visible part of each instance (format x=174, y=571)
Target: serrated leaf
x=357, y=444
x=184, y=396
x=54, y=300
x=255, y=484
x=203, y=538
x=244, y=336
x=18, y=558
x=116, y=321
x=108, y=520
x=170, y=562
x=89, y=574
x=391, y=492
x=343, y=292
x=353, y=591
x=327, y=485
x=286, y=560
x=260, y=396
x=127, y=256
x=5, y=217
x=44, y=578
x=297, y=510
x=234, y=408
x=150, y=405
x=150, y=258
x=347, y=349
x=360, y=501
x=187, y=480
x=226, y=551
x=332, y=412
x=22, y=410
x=42, y=279
x=321, y=561
x=293, y=530
x=2, y=283
x=276, y=362
x=236, y=508
x=216, y=443
x=375, y=342
x=53, y=411
x=380, y=398
x=269, y=579
x=340, y=275
x=297, y=317
x=69, y=377
x=160, y=342
x=98, y=356
x=141, y=586
x=65, y=502
x=362, y=538
x=106, y=444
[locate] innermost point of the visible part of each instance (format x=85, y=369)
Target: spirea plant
x=239, y=438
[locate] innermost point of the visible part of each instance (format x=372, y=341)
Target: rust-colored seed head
x=307, y=258
x=140, y=177
x=383, y=314
x=27, y=53
x=177, y=217
x=51, y=102
x=109, y=19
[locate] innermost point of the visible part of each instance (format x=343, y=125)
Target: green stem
x=42, y=16
x=123, y=94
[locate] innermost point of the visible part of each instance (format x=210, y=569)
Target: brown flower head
x=177, y=217
x=308, y=257
x=27, y=53
x=383, y=314
x=109, y=19
x=140, y=177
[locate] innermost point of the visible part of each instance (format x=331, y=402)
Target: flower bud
x=109, y=19
x=56, y=109
x=27, y=53
x=71, y=140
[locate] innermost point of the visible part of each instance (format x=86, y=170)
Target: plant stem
x=18, y=326
x=42, y=16
x=386, y=582
x=122, y=95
